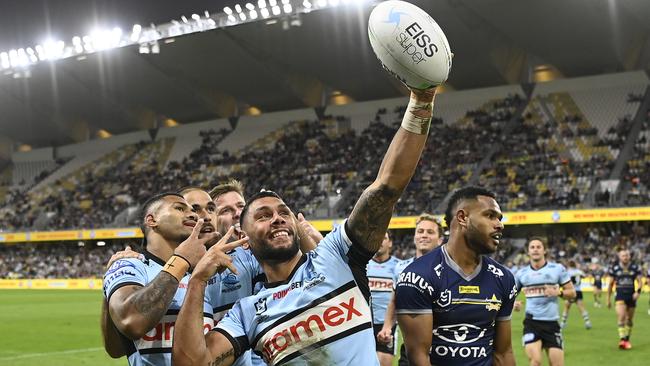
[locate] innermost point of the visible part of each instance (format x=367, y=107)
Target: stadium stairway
x=626, y=151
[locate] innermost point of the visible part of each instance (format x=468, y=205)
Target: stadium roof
x=222, y=72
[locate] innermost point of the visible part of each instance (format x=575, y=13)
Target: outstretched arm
x=369, y=219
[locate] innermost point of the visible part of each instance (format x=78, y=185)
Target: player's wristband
x=177, y=266
x=561, y=292
x=412, y=122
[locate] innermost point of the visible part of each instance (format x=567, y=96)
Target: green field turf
x=61, y=328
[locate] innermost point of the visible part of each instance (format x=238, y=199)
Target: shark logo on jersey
x=458, y=333
x=438, y=270
x=495, y=271
x=260, y=306
x=444, y=299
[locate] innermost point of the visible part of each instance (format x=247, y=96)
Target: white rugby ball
x=409, y=44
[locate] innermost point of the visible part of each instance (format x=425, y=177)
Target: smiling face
x=203, y=206
x=480, y=220
x=229, y=207
x=427, y=236
x=271, y=230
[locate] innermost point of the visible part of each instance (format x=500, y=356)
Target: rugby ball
x=409, y=44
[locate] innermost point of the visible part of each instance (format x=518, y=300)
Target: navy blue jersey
x=464, y=307
x=380, y=280
x=625, y=277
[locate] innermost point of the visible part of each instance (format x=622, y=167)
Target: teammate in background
x=427, y=236
x=576, y=278
x=597, y=273
x=623, y=274
x=467, y=295
x=381, y=271
x=542, y=282
x=314, y=309
x=143, y=297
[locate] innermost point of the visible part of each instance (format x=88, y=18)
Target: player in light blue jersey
x=454, y=304
x=381, y=271
x=576, y=275
x=426, y=237
x=144, y=297
x=314, y=308
x=542, y=282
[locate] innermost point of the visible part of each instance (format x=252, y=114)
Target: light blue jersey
x=399, y=267
x=155, y=347
x=226, y=288
x=381, y=277
x=533, y=282
x=318, y=316
x=576, y=277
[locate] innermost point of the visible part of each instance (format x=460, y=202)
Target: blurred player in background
x=542, y=282
x=576, y=278
x=381, y=271
x=427, y=236
x=597, y=273
x=454, y=304
x=624, y=274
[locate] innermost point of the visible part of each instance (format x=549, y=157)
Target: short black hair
x=465, y=193
x=261, y=194
x=146, y=206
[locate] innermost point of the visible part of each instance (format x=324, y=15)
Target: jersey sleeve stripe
x=414, y=311
x=239, y=344
x=119, y=286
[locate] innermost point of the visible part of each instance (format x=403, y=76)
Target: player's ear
x=150, y=221
x=462, y=216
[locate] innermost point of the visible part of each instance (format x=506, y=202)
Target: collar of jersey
x=456, y=268
x=531, y=266
x=302, y=260
x=389, y=258
x=150, y=256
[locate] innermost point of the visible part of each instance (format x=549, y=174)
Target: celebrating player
x=542, y=283
x=144, y=296
x=467, y=295
x=314, y=308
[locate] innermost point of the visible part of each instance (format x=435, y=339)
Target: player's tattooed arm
x=222, y=359
x=369, y=219
x=135, y=310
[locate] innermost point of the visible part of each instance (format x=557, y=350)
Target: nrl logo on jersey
x=445, y=299
x=260, y=306
x=494, y=270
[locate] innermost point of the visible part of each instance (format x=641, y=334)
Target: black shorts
x=384, y=348
x=546, y=331
x=578, y=297
x=627, y=299
x=598, y=285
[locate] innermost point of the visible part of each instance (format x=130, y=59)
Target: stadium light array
x=16, y=61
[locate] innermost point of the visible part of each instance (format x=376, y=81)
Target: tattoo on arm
x=370, y=217
x=153, y=300
x=221, y=358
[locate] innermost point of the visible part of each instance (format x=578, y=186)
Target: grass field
x=61, y=328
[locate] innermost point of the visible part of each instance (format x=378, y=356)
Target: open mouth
x=496, y=237
x=281, y=233
x=207, y=229
x=189, y=224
